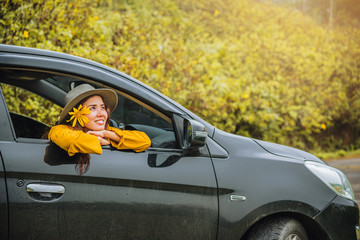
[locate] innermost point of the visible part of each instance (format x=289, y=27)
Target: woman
x=84, y=130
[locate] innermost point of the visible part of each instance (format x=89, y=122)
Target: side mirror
x=195, y=134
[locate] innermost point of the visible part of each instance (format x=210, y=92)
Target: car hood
x=284, y=151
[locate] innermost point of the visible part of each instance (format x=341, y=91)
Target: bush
x=249, y=68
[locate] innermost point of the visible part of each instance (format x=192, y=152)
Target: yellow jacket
x=76, y=141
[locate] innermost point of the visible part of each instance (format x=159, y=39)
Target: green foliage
x=250, y=68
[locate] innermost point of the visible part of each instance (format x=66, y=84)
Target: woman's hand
x=103, y=134
x=97, y=133
x=103, y=141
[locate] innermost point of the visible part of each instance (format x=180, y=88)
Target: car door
x=161, y=193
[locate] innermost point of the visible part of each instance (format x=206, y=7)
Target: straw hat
x=83, y=91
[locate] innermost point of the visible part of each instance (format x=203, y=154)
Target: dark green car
x=194, y=182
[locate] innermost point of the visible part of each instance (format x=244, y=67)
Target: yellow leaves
x=258, y=70
x=251, y=119
x=245, y=96
x=341, y=95
x=293, y=114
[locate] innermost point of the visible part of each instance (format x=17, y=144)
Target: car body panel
x=216, y=192
x=3, y=203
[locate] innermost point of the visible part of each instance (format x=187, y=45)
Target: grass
x=340, y=154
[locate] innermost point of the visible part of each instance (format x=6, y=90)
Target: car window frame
x=7, y=132
x=167, y=117
x=8, y=124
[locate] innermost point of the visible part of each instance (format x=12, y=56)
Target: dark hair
x=82, y=159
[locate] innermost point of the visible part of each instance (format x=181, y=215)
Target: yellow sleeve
x=135, y=140
x=74, y=141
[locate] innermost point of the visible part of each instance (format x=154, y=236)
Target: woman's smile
x=100, y=121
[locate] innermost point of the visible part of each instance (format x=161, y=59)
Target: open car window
x=34, y=100
x=31, y=114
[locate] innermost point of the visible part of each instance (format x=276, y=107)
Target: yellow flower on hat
x=78, y=115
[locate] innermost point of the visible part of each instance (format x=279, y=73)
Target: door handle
x=45, y=191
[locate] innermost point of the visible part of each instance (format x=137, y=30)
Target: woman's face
x=98, y=116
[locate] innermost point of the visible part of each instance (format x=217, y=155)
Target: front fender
x=268, y=183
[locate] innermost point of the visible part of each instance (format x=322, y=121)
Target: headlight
x=332, y=177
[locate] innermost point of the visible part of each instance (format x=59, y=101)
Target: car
x=194, y=182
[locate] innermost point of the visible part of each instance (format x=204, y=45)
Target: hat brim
x=109, y=96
